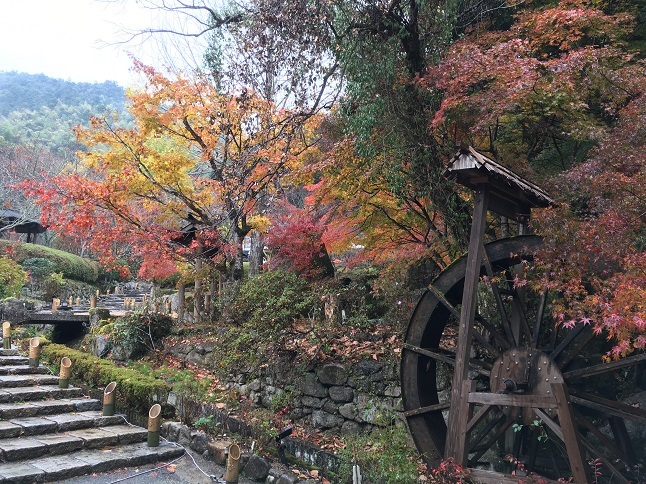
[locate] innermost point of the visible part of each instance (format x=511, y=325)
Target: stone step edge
x=87, y=461
x=23, y=427
x=53, y=406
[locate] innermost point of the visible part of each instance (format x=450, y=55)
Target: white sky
x=78, y=40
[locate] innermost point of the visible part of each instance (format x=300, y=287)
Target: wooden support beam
x=458, y=417
x=512, y=400
x=576, y=456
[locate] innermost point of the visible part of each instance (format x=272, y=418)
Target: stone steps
x=49, y=434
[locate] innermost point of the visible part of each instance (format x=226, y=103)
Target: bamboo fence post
x=64, y=375
x=93, y=302
x=6, y=335
x=34, y=352
x=154, y=422
x=231, y=472
x=108, y=399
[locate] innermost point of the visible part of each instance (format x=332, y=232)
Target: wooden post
x=108, y=399
x=154, y=422
x=197, y=296
x=456, y=435
x=64, y=375
x=93, y=302
x=6, y=335
x=78, y=301
x=576, y=456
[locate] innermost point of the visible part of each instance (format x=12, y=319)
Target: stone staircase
x=49, y=433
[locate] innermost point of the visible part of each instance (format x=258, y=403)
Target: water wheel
x=517, y=352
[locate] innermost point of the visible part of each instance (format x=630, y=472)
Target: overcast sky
x=77, y=40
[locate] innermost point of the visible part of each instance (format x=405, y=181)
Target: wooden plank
x=464, y=411
x=609, y=407
x=576, y=456
x=604, y=367
x=512, y=400
x=616, y=474
x=455, y=445
x=539, y=318
x=428, y=409
x=547, y=420
x=440, y=297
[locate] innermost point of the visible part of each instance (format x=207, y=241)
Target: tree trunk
x=256, y=253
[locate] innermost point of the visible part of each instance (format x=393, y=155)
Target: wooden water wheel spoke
x=604, y=367
x=608, y=407
x=522, y=379
x=504, y=320
x=605, y=441
x=617, y=472
x=540, y=313
x=481, y=367
x=491, y=329
x=428, y=409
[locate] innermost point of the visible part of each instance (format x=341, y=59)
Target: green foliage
x=38, y=266
x=134, y=389
x=384, y=455
x=12, y=278
x=70, y=265
x=141, y=330
x=273, y=300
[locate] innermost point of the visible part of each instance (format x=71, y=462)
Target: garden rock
x=333, y=374
x=325, y=420
x=257, y=468
x=341, y=394
x=199, y=442
x=312, y=387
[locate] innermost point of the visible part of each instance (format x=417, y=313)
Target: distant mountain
x=41, y=111
x=20, y=91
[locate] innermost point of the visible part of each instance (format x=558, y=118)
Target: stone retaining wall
x=343, y=397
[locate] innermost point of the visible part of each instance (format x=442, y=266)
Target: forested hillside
x=40, y=110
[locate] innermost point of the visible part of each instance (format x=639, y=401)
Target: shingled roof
x=510, y=194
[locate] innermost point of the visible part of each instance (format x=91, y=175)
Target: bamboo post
x=108, y=399
x=126, y=302
x=78, y=301
x=64, y=375
x=34, y=352
x=231, y=472
x=6, y=335
x=154, y=422
x=70, y=301
x=93, y=302
x=55, y=304
x=97, y=293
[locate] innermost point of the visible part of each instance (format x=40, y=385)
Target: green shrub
x=273, y=300
x=140, y=330
x=70, y=265
x=12, y=278
x=38, y=266
x=134, y=389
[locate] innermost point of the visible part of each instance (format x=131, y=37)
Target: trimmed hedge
x=134, y=390
x=72, y=266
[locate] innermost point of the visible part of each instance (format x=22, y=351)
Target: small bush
x=135, y=390
x=140, y=330
x=273, y=300
x=12, y=278
x=38, y=267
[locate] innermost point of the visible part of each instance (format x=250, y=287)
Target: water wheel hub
x=524, y=371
